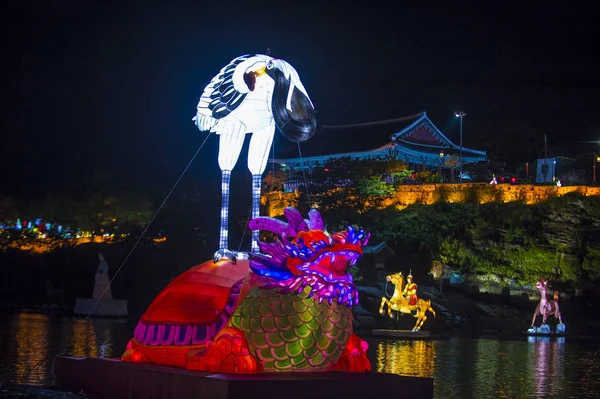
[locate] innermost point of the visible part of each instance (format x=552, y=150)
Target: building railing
x=292, y=185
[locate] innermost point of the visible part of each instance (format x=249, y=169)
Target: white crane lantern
x=252, y=94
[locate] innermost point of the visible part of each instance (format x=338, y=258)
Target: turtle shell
x=188, y=313
x=198, y=296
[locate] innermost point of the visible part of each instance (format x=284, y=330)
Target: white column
x=223, y=231
x=256, y=188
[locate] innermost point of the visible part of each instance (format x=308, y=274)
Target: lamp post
x=460, y=115
x=440, y=165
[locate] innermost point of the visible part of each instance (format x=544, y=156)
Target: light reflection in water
x=461, y=368
x=500, y=369
x=31, y=348
x=34, y=340
x=416, y=358
x=546, y=363
x=482, y=368
x=84, y=339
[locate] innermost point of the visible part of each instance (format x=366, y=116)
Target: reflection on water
x=546, y=363
x=31, y=347
x=500, y=369
x=488, y=368
x=416, y=358
x=84, y=339
x=525, y=367
x=30, y=342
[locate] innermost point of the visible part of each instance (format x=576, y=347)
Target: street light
x=460, y=115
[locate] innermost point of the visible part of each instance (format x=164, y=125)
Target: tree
x=274, y=181
x=95, y=211
x=345, y=188
x=101, y=213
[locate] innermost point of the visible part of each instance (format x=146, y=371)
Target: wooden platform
x=406, y=334
x=113, y=379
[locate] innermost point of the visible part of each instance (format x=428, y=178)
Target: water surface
x=525, y=367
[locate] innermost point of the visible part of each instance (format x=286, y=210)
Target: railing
x=292, y=185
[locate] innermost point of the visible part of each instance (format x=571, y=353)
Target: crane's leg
x=258, y=155
x=231, y=141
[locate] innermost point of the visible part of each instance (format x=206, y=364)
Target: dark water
x=525, y=367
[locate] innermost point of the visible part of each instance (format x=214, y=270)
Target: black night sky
x=114, y=85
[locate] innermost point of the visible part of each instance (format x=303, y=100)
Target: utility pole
x=545, y=158
x=460, y=115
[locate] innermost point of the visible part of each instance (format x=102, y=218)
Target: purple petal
x=267, y=224
x=315, y=220
x=366, y=241
x=296, y=223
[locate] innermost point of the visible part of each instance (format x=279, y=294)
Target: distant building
x=380, y=254
x=421, y=145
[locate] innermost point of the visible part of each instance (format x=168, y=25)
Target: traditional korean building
x=420, y=144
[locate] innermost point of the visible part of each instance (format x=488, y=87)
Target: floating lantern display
x=252, y=94
x=409, y=304
x=286, y=309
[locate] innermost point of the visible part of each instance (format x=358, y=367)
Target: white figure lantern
x=252, y=94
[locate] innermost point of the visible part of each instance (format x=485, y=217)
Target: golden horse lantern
x=406, y=305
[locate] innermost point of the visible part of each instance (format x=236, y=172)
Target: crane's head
x=292, y=109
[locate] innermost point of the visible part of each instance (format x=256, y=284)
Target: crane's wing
x=220, y=97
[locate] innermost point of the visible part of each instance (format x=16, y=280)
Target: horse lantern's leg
x=383, y=302
x=416, y=327
x=422, y=307
x=537, y=311
x=420, y=322
x=430, y=308
x=544, y=315
x=557, y=313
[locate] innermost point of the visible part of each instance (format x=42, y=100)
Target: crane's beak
x=260, y=72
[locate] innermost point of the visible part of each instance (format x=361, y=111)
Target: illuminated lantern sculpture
x=546, y=308
x=286, y=309
x=252, y=94
x=411, y=305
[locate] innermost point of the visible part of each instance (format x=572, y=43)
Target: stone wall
x=275, y=202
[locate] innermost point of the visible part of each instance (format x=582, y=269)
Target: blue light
x=271, y=273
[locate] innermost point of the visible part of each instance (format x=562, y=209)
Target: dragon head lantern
x=306, y=257
x=286, y=309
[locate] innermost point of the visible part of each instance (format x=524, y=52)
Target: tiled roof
x=417, y=137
